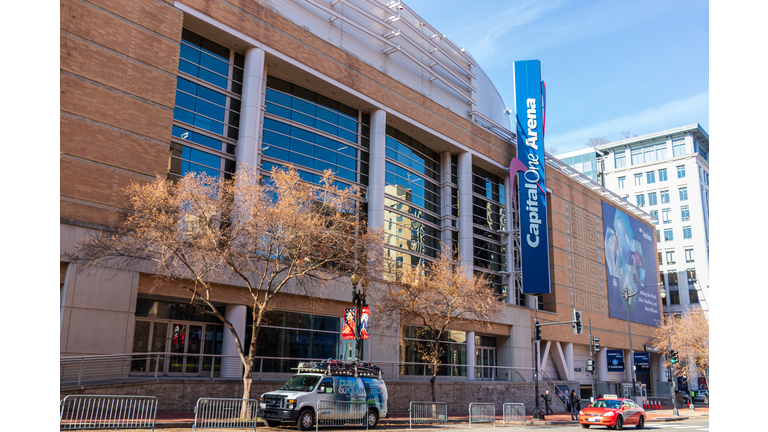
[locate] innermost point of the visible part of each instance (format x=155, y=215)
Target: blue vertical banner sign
x=534, y=233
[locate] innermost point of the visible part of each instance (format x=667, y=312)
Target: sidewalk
x=185, y=420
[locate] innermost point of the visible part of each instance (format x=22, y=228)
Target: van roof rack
x=340, y=368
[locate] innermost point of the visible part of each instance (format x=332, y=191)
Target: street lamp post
x=358, y=299
x=627, y=296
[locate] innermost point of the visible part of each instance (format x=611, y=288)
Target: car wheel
x=619, y=423
x=641, y=423
x=585, y=426
x=373, y=419
x=272, y=423
x=306, y=420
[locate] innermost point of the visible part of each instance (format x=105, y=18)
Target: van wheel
x=306, y=420
x=373, y=419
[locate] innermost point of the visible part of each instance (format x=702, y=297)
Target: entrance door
x=149, y=337
x=485, y=357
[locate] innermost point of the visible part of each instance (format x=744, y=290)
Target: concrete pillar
x=232, y=367
x=445, y=198
x=248, y=151
x=602, y=364
x=568, y=354
x=471, y=355
x=465, y=209
x=377, y=169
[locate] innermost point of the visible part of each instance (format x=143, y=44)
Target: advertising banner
x=642, y=362
x=703, y=383
x=615, y=360
x=529, y=108
x=348, y=330
x=630, y=261
x=364, y=316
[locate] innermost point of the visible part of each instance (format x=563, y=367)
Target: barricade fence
x=427, y=412
x=223, y=413
x=482, y=412
x=341, y=413
x=513, y=413
x=108, y=412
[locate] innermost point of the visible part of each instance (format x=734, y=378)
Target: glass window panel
x=300, y=159
x=213, y=78
x=276, y=152
x=217, y=65
x=278, y=98
x=302, y=147
x=277, y=126
x=211, y=96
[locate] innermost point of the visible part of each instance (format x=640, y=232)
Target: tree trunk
x=247, y=379
x=432, y=385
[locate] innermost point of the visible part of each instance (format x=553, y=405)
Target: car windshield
x=305, y=383
x=602, y=403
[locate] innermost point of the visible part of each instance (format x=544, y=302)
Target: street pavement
x=183, y=422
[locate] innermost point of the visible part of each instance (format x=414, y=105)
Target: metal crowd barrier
x=222, y=413
x=108, y=412
x=341, y=413
x=427, y=412
x=513, y=412
x=482, y=413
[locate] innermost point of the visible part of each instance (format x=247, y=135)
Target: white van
x=297, y=399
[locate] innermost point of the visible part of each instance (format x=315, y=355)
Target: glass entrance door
x=149, y=337
x=484, y=357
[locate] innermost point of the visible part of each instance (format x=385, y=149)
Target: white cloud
x=672, y=114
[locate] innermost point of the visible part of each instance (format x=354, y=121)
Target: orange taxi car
x=612, y=412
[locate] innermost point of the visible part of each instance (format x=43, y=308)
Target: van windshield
x=305, y=383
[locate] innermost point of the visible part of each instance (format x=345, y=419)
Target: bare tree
x=596, y=141
x=689, y=336
x=436, y=298
x=270, y=236
x=627, y=134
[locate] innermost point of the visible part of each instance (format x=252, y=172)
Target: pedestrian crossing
x=674, y=426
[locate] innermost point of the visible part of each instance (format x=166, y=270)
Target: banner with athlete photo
x=364, y=316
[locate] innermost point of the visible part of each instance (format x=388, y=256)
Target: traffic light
x=673, y=357
x=590, y=365
x=577, y=327
x=596, y=344
x=537, y=330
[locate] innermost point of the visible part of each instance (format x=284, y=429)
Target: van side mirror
x=321, y=389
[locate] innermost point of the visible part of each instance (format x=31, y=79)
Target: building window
x=670, y=257
x=681, y=171
x=658, y=236
x=640, y=200
x=621, y=158
x=668, y=235
x=687, y=232
x=666, y=215
x=683, y=193
x=650, y=177
x=638, y=179
x=655, y=214
x=664, y=196
x=207, y=108
x=672, y=278
x=678, y=148
x=693, y=295
x=621, y=182
x=661, y=261
x=452, y=345
x=663, y=175
x=691, y=276
x=661, y=274
x=489, y=217
x=685, y=213
x=674, y=297
x=689, y=255
x=652, y=198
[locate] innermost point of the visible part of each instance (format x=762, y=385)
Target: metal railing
x=223, y=413
x=427, y=412
x=513, y=413
x=550, y=385
x=482, y=412
x=108, y=412
x=341, y=413
x=143, y=366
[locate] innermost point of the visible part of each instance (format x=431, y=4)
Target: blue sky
x=609, y=66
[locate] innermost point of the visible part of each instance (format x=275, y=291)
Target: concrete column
x=470, y=355
x=377, y=169
x=232, y=367
x=445, y=198
x=248, y=151
x=465, y=208
x=601, y=358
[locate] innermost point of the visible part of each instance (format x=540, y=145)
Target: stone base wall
x=181, y=395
